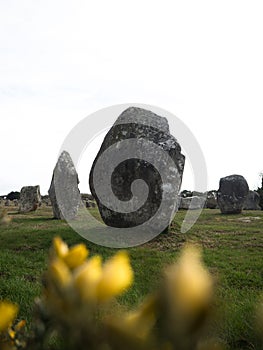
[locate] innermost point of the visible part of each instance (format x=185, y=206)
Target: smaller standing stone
x=232, y=194
x=46, y=201
x=191, y=203
x=211, y=200
x=252, y=201
x=30, y=199
x=63, y=192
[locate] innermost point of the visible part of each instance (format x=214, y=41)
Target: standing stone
x=7, y=203
x=191, y=203
x=211, y=200
x=232, y=193
x=46, y=201
x=138, y=125
x=252, y=201
x=63, y=192
x=30, y=199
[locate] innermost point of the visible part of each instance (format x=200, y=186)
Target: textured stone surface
x=211, y=200
x=46, y=201
x=138, y=124
x=30, y=199
x=89, y=204
x=252, y=201
x=63, y=192
x=194, y=202
x=232, y=193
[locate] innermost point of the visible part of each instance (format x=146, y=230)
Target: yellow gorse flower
x=8, y=313
x=92, y=281
x=117, y=276
x=60, y=247
x=11, y=333
x=190, y=283
x=141, y=321
x=60, y=273
x=20, y=325
x=74, y=256
x=86, y=278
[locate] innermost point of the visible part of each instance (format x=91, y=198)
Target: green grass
x=232, y=247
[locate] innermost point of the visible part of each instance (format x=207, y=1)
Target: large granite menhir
x=30, y=198
x=232, y=193
x=138, y=124
x=63, y=192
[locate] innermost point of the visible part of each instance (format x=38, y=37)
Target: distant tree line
x=11, y=196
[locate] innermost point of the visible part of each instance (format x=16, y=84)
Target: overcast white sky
x=62, y=60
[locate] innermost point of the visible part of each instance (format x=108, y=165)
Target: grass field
x=232, y=250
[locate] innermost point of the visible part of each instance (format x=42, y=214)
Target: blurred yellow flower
x=117, y=276
x=86, y=278
x=21, y=324
x=60, y=273
x=60, y=247
x=11, y=333
x=76, y=256
x=190, y=283
x=141, y=321
x=8, y=313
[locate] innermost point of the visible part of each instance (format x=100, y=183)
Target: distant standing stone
x=30, y=199
x=7, y=203
x=88, y=204
x=192, y=203
x=211, y=200
x=232, y=194
x=63, y=192
x=252, y=201
x=138, y=125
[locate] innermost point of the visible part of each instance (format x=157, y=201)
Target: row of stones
x=190, y=202
x=139, y=124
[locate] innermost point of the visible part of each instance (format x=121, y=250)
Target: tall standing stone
x=138, y=125
x=63, y=192
x=232, y=194
x=30, y=199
